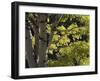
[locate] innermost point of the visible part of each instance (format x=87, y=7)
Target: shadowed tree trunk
x=42, y=41
x=28, y=48
x=38, y=27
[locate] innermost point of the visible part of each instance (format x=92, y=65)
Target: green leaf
x=72, y=26
x=50, y=51
x=63, y=33
x=61, y=28
x=55, y=38
x=48, y=28
x=52, y=46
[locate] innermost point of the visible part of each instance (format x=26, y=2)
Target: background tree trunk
x=28, y=48
x=42, y=41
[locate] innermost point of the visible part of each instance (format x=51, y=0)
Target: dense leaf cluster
x=69, y=45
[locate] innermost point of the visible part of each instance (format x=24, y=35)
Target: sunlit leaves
x=76, y=52
x=84, y=20
x=72, y=26
x=52, y=46
x=55, y=37
x=85, y=61
x=33, y=41
x=61, y=28
x=76, y=36
x=63, y=41
x=63, y=18
x=50, y=51
x=48, y=28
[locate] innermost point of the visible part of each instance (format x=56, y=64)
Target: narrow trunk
x=42, y=41
x=28, y=48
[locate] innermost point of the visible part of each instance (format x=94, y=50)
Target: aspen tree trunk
x=36, y=47
x=42, y=41
x=35, y=28
x=28, y=48
x=38, y=58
